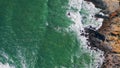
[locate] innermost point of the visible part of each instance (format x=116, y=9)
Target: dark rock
x=96, y=40
x=69, y=14
x=105, y=11
x=95, y=34
x=98, y=4
x=101, y=16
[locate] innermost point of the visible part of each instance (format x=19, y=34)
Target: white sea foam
x=89, y=12
x=78, y=26
x=22, y=59
x=6, y=65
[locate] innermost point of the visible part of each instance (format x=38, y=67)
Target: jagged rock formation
x=107, y=38
x=112, y=60
x=111, y=30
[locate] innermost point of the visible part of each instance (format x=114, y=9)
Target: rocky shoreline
x=107, y=37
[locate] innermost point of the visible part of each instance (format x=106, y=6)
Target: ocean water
x=46, y=34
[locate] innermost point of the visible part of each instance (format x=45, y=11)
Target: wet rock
x=96, y=34
x=97, y=40
x=98, y=3
x=101, y=16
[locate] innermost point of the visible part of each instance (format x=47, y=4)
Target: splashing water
x=5, y=66
x=82, y=14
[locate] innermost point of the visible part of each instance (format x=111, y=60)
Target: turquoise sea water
x=33, y=35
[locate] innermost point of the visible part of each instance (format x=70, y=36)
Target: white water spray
x=75, y=6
